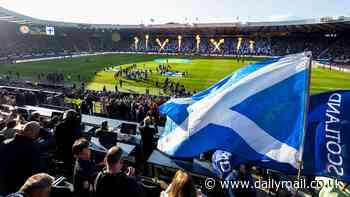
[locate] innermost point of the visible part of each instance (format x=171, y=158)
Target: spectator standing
x=22, y=158
x=66, y=133
x=103, y=128
x=84, y=169
x=113, y=180
x=147, y=137
x=9, y=131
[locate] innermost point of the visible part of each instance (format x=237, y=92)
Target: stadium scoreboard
x=37, y=30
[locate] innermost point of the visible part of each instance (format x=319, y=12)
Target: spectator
x=89, y=101
x=84, y=169
x=113, y=180
x=22, y=158
x=84, y=108
x=147, y=137
x=35, y=117
x=66, y=133
x=38, y=185
x=181, y=186
x=103, y=128
x=9, y=131
x=244, y=176
x=223, y=164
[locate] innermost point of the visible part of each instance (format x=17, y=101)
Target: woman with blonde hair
x=182, y=185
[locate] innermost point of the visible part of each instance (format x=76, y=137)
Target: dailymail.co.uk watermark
x=211, y=183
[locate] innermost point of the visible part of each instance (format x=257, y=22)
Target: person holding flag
x=258, y=113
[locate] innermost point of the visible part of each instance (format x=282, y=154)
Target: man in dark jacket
x=147, y=137
x=244, y=176
x=84, y=108
x=66, y=133
x=113, y=180
x=84, y=169
x=104, y=128
x=21, y=158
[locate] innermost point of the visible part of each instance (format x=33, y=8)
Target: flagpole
x=306, y=110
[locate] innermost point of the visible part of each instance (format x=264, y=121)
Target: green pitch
x=203, y=72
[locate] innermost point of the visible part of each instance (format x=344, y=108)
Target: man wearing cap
x=113, y=180
x=20, y=158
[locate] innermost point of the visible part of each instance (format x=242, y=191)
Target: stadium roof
x=325, y=24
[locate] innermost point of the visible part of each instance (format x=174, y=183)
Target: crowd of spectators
x=230, y=46
x=37, y=150
x=71, y=41
x=322, y=46
x=175, y=88
x=52, y=77
x=57, y=146
x=133, y=73
x=122, y=106
x=54, y=146
x=139, y=73
x=22, y=96
x=66, y=42
x=112, y=104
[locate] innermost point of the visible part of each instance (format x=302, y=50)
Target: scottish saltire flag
x=256, y=113
x=327, y=148
x=50, y=30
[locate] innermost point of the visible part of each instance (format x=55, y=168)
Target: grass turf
x=203, y=72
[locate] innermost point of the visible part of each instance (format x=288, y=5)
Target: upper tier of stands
x=69, y=41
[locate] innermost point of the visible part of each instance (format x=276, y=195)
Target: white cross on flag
x=50, y=30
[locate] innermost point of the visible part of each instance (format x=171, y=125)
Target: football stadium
x=193, y=108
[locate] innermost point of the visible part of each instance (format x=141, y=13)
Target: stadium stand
x=325, y=37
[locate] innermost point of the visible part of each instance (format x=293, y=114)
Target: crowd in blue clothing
x=189, y=45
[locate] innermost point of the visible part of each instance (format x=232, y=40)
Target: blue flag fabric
x=256, y=113
x=327, y=146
